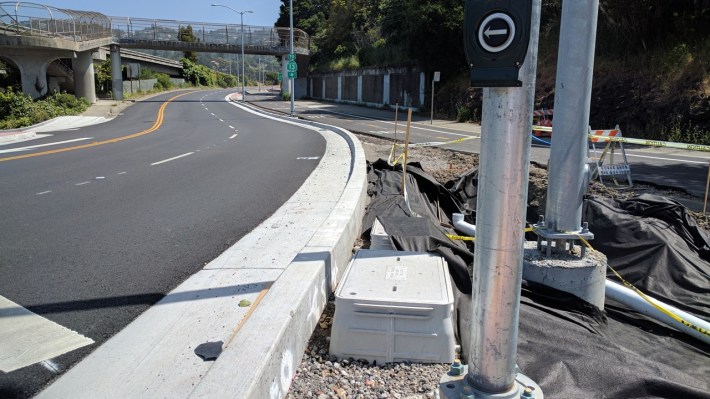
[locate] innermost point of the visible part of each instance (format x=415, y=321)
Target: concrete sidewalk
x=254, y=307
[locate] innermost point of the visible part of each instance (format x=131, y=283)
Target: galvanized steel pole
x=292, y=80
x=502, y=197
x=568, y=175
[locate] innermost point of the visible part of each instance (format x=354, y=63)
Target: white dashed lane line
x=171, y=159
x=233, y=136
x=231, y=127
x=121, y=173
x=82, y=183
x=44, y=192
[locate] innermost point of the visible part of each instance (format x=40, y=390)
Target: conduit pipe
x=463, y=227
x=633, y=300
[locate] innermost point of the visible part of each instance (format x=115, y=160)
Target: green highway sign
x=292, y=66
x=280, y=77
x=291, y=57
x=292, y=74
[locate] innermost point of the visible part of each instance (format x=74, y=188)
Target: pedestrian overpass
x=32, y=36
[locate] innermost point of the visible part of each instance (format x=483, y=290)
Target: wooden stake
x=396, y=110
x=707, y=187
x=406, y=152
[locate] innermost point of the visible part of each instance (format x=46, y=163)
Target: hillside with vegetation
x=651, y=72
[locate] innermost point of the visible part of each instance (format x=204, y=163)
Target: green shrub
x=19, y=110
x=464, y=114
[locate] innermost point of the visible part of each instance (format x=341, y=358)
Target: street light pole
x=293, y=81
x=241, y=16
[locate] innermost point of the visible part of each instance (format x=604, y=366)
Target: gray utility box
x=394, y=306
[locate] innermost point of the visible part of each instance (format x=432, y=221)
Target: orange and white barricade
x=542, y=117
x=612, y=168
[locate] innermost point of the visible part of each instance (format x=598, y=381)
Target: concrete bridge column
x=116, y=75
x=359, y=88
x=83, y=66
x=33, y=73
x=285, y=81
x=340, y=87
x=386, y=89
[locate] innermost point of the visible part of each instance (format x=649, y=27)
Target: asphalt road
x=94, y=235
x=665, y=167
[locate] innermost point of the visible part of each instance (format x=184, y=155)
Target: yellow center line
x=156, y=125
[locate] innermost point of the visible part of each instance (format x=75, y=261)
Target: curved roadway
x=101, y=226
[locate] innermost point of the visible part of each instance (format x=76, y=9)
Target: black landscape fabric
x=570, y=348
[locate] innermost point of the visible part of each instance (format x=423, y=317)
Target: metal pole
x=506, y=122
x=573, y=90
x=432, y=102
x=244, y=95
x=292, y=80
x=707, y=187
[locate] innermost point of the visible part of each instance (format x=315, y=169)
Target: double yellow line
x=156, y=125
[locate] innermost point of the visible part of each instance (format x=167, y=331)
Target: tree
x=186, y=35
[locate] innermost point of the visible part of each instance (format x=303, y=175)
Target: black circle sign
x=496, y=32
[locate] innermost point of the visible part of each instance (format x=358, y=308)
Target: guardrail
x=165, y=31
x=31, y=19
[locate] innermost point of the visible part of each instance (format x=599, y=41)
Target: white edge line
x=171, y=159
x=32, y=147
x=629, y=154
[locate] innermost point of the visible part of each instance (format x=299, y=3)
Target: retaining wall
x=370, y=86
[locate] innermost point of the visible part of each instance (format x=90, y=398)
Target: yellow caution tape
x=651, y=302
x=437, y=143
x=651, y=143
x=460, y=238
x=464, y=238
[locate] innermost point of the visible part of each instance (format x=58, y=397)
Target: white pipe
x=464, y=227
x=633, y=300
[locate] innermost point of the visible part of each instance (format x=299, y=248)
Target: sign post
x=497, y=38
x=436, y=78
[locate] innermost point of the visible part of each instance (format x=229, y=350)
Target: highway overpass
x=33, y=36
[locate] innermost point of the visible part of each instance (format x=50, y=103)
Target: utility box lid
x=397, y=276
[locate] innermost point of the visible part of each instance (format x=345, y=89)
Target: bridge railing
x=31, y=19
x=126, y=28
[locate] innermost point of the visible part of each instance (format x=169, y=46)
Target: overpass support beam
x=33, y=73
x=285, y=81
x=83, y=66
x=116, y=75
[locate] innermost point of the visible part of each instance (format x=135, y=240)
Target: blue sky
x=265, y=11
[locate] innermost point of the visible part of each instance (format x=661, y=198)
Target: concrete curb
x=298, y=296
x=285, y=268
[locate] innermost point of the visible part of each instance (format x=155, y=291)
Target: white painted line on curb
x=51, y=366
x=82, y=183
x=171, y=159
x=233, y=136
x=44, y=192
x=32, y=147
